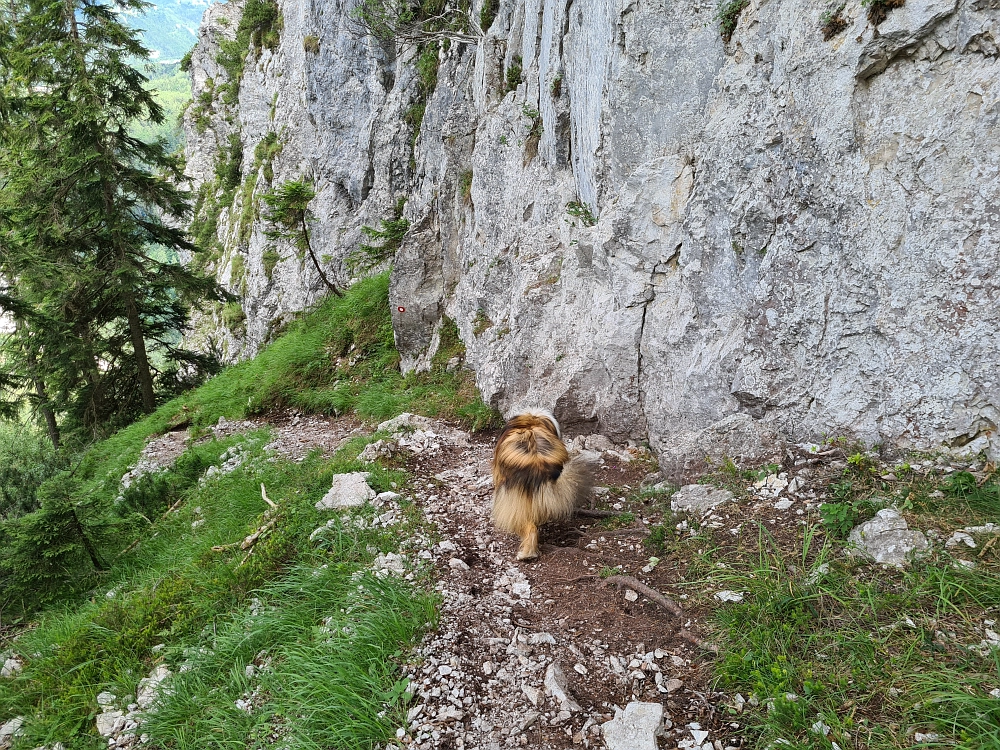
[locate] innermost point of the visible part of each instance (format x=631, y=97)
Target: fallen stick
x=691, y=638
x=263, y=494
x=252, y=539
x=640, y=588
x=987, y=546
x=172, y=508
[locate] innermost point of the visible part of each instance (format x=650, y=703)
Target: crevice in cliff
x=639, y=364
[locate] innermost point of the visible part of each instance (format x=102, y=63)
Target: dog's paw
x=529, y=554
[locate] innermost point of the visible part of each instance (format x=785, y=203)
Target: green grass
x=330, y=634
x=875, y=654
x=174, y=589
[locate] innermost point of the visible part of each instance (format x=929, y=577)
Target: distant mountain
x=170, y=27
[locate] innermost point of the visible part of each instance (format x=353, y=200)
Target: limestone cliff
x=657, y=234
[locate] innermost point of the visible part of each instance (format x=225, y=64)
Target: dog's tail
x=516, y=505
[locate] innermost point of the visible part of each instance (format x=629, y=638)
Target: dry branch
x=263, y=494
x=641, y=588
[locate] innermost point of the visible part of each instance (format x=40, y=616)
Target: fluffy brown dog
x=534, y=478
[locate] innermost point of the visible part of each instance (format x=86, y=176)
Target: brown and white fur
x=534, y=478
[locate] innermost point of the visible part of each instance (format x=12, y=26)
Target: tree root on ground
x=668, y=604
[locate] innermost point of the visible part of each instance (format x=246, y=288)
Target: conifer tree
x=84, y=207
x=289, y=205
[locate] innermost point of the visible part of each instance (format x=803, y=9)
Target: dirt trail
x=536, y=654
x=507, y=626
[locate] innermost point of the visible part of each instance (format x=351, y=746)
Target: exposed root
x=640, y=588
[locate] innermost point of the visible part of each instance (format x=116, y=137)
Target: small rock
x=699, y=735
x=598, y=443
x=458, y=563
x=11, y=667
x=536, y=639
x=673, y=684
x=531, y=693
x=387, y=497
x=149, y=687
x=390, y=563
x=106, y=700
x=580, y=669
x=488, y=668
x=635, y=728
x=729, y=596
x=784, y=504
x=450, y=713
x=630, y=595
x=698, y=498
x=558, y=687
x=887, y=539
x=347, y=491
x=10, y=730
x=960, y=537
x=528, y=720
x=110, y=723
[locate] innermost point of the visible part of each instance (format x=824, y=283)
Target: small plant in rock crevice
x=488, y=14
x=833, y=22
x=582, y=212
x=878, y=10
x=728, y=15
x=465, y=186
x=512, y=78
x=389, y=238
x=480, y=323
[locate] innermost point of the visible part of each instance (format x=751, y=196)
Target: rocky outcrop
x=655, y=234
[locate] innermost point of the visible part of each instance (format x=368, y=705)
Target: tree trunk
x=50, y=418
x=36, y=381
x=95, y=559
x=141, y=358
x=330, y=285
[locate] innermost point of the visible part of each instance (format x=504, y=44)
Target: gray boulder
x=697, y=499
x=347, y=491
x=887, y=539
x=635, y=728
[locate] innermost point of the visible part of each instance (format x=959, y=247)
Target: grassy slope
x=842, y=653
x=337, y=359
x=213, y=609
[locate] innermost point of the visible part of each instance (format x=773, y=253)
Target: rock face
x=654, y=234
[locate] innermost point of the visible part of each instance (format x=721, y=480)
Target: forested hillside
x=169, y=27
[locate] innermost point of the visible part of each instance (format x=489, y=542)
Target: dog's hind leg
x=529, y=542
